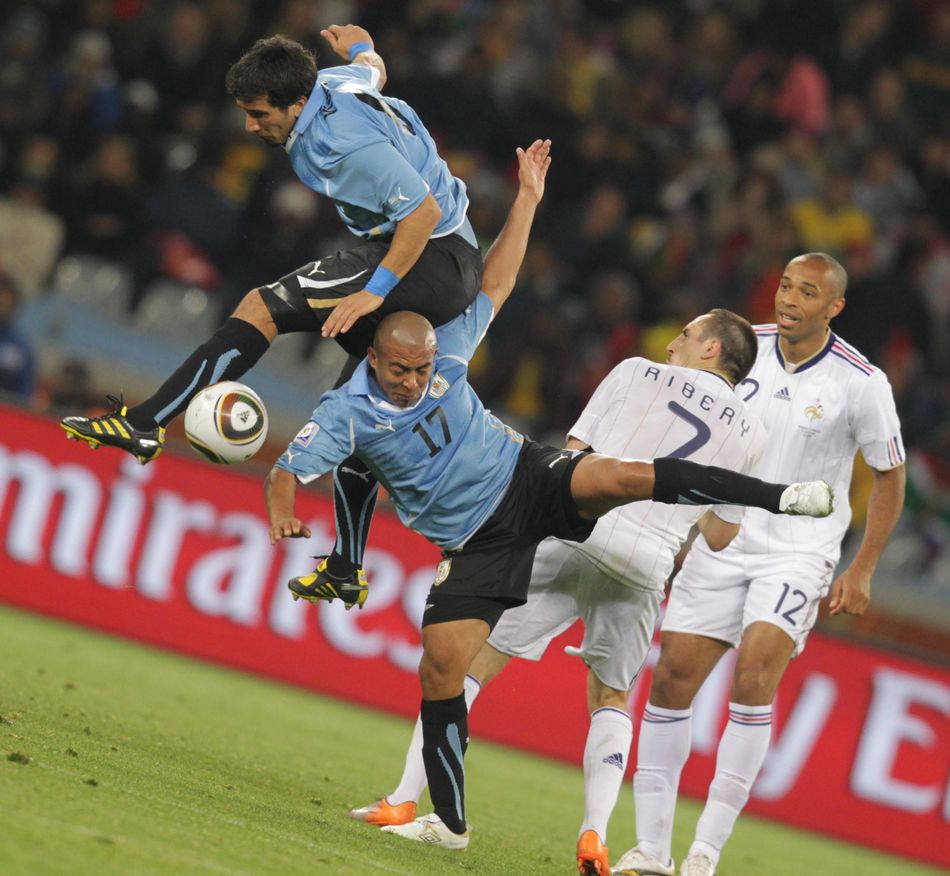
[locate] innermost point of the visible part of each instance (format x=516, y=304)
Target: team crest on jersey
x=442, y=572
x=440, y=386
x=305, y=435
x=815, y=411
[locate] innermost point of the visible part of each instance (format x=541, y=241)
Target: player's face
x=688, y=349
x=402, y=371
x=272, y=124
x=805, y=301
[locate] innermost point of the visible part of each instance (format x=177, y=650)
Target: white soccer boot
x=432, y=830
x=810, y=499
x=636, y=862
x=698, y=864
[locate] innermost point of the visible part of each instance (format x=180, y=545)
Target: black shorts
x=495, y=563
x=440, y=285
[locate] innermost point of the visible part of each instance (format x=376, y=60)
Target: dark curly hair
x=278, y=68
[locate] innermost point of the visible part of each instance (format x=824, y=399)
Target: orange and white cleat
x=382, y=813
x=592, y=859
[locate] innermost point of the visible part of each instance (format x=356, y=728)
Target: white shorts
x=566, y=585
x=720, y=594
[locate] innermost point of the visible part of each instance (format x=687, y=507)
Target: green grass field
x=121, y=759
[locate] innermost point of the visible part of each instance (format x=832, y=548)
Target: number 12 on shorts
x=792, y=601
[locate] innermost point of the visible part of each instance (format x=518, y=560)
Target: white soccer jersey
x=817, y=416
x=644, y=410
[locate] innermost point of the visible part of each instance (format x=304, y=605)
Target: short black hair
x=737, y=339
x=280, y=69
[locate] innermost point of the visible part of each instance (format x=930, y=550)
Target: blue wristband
x=382, y=282
x=356, y=48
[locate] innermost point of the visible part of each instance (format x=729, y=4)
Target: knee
x=439, y=676
x=673, y=685
x=252, y=309
x=752, y=685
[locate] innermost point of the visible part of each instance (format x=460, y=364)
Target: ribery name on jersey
x=705, y=402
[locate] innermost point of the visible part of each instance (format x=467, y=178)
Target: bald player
x=821, y=401
x=478, y=489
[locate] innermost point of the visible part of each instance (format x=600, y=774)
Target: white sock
x=605, y=762
x=742, y=750
x=662, y=751
x=413, y=781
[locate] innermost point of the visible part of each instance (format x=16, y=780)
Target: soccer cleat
x=811, y=499
x=592, y=859
x=115, y=430
x=383, y=813
x=698, y=864
x=430, y=829
x=319, y=586
x=636, y=862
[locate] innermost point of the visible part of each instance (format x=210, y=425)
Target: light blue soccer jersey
x=372, y=156
x=446, y=461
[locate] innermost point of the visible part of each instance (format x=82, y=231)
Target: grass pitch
x=121, y=759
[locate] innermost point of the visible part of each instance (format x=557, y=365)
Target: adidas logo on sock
x=783, y=394
x=616, y=759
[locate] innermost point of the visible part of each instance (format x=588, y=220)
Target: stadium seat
x=172, y=310
x=94, y=282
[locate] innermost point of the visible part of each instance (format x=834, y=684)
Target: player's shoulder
x=349, y=78
x=850, y=358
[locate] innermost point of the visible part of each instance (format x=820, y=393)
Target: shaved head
x=402, y=356
x=405, y=329
x=837, y=276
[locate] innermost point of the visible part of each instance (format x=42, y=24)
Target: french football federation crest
x=815, y=411
x=442, y=572
x=440, y=386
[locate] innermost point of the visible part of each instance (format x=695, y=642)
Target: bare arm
x=280, y=489
x=851, y=591
x=717, y=532
x=507, y=252
x=342, y=36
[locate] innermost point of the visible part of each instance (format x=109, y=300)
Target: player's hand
x=850, y=593
x=533, y=164
x=350, y=309
x=288, y=527
x=342, y=36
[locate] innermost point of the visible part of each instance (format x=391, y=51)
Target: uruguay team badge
x=440, y=386
x=442, y=572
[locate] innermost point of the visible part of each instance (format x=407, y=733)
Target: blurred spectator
x=70, y=388
x=832, y=222
x=105, y=210
x=17, y=363
x=30, y=235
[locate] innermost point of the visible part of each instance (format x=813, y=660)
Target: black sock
x=681, y=482
x=354, y=498
x=444, y=741
x=231, y=351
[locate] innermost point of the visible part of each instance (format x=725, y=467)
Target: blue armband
x=356, y=48
x=382, y=282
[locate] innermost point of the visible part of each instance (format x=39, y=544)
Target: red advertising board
x=177, y=554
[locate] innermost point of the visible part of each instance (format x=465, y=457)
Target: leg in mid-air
x=601, y=483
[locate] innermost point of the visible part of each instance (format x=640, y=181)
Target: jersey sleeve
x=876, y=425
x=377, y=177
x=586, y=427
x=359, y=76
x=321, y=444
x=459, y=337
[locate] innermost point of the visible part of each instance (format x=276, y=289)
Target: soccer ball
x=226, y=422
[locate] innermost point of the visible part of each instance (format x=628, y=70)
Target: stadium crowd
x=697, y=146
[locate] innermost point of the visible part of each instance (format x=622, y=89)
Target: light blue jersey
x=372, y=155
x=446, y=461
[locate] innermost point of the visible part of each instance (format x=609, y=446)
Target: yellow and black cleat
x=319, y=586
x=114, y=430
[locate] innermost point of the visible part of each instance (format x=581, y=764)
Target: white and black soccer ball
x=226, y=422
